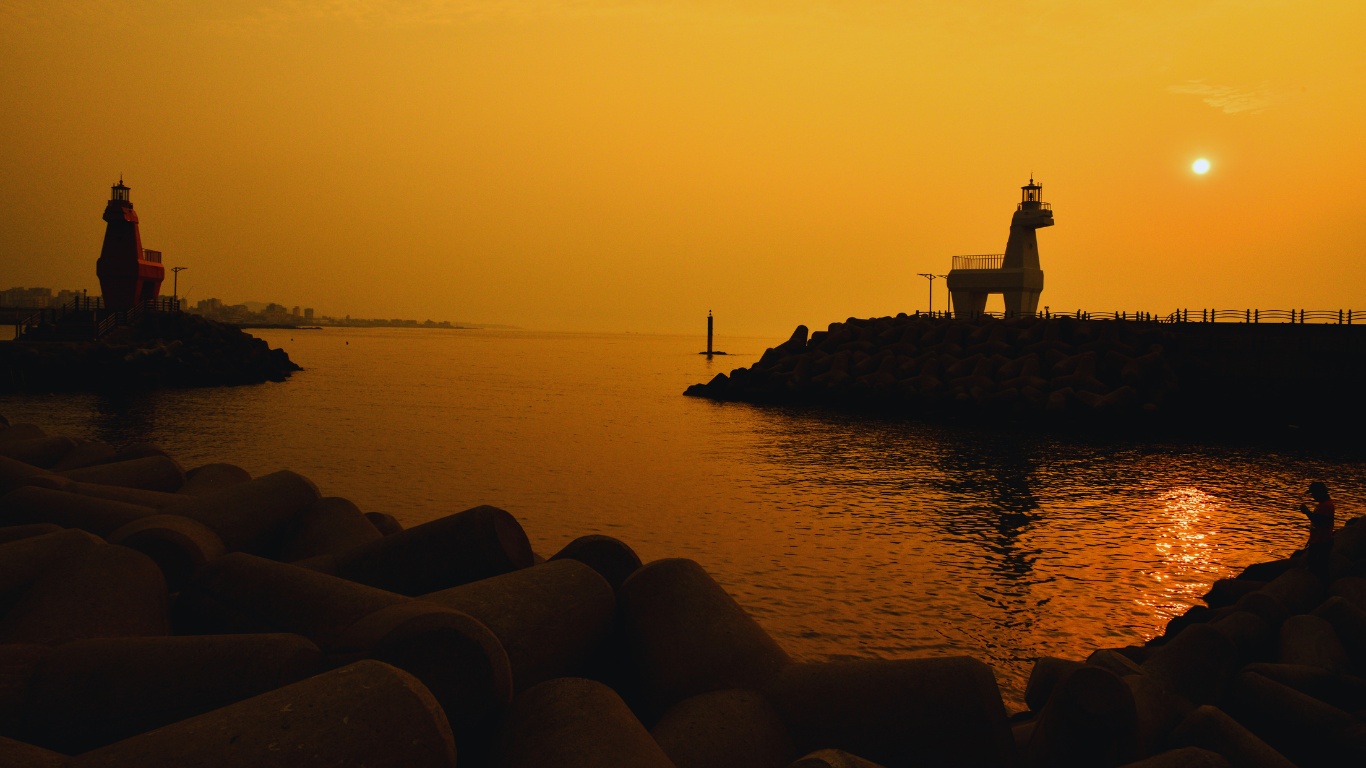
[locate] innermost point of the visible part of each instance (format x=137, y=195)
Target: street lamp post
x=931, y=278
x=175, y=282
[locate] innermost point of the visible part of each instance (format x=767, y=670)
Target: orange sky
x=626, y=166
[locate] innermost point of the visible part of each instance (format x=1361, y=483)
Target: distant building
x=27, y=298
x=295, y=312
x=308, y=313
x=66, y=297
x=36, y=298
x=127, y=276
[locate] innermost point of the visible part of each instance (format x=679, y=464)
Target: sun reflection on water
x=1185, y=540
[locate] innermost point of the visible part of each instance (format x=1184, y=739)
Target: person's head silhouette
x=1319, y=491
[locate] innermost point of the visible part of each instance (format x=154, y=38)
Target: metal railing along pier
x=1254, y=316
x=101, y=321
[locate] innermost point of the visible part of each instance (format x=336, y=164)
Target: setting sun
x=1201, y=166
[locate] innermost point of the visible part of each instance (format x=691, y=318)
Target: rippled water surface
x=844, y=536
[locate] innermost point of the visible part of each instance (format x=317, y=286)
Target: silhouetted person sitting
x=1320, y=530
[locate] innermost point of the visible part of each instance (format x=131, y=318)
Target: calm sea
x=844, y=536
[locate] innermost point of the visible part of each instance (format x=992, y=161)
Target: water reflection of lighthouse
x=128, y=274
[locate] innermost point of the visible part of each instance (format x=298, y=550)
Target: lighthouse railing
x=980, y=261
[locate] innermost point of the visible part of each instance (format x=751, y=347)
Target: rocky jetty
x=153, y=615
x=158, y=350
x=1061, y=370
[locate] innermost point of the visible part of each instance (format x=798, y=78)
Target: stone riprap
x=155, y=616
x=1065, y=371
x=159, y=350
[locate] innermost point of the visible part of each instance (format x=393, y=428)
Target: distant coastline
x=251, y=314
x=277, y=326
x=290, y=321
x=316, y=326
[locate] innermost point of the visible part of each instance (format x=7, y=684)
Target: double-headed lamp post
x=175, y=282
x=931, y=278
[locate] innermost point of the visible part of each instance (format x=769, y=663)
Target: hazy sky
x=629, y=165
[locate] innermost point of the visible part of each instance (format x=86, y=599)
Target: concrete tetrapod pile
x=985, y=367
x=1228, y=378
x=153, y=616
x=1269, y=673
x=160, y=349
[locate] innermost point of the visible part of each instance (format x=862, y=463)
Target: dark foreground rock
x=1063, y=371
x=158, y=350
x=227, y=629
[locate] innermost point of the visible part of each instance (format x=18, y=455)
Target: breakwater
x=1063, y=371
x=160, y=349
x=155, y=615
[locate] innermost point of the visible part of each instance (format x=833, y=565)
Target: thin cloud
x=1227, y=98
